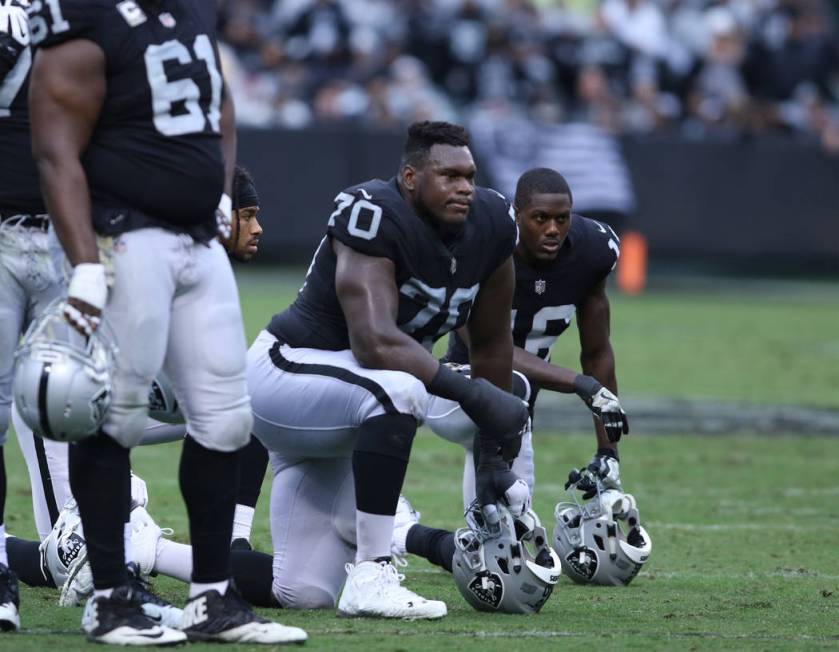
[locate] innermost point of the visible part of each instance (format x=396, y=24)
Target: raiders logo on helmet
x=583, y=561
x=69, y=547
x=488, y=588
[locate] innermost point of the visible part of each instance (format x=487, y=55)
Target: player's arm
x=366, y=289
x=65, y=94
x=596, y=354
x=489, y=337
x=369, y=298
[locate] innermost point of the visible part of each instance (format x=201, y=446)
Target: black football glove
x=495, y=482
x=604, y=405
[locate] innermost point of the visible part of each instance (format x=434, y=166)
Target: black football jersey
x=155, y=156
x=20, y=192
x=438, y=279
x=546, y=298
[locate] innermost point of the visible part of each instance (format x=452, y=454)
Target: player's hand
x=607, y=469
x=86, y=296
x=224, y=217
x=495, y=482
x=139, y=491
x=604, y=405
x=499, y=415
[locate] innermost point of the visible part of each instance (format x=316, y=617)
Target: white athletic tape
x=89, y=284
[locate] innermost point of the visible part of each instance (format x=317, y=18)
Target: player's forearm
x=65, y=189
x=394, y=351
x=542, y=373
x=494, y=362
x=600, y=365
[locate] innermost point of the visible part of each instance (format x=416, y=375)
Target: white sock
x=102, y=593
x=173, y=559
x=4, y=558
x=468, y=479
x=126, y=535
x=242, y=522
x=197, y=588
x=373, y=534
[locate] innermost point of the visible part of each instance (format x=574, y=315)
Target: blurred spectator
x=709, y=68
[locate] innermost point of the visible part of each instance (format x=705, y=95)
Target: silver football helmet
x=602, y=541
x=62, y=385
x=509, y=567
x=163, y=405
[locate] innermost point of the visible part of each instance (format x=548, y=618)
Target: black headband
x=245, y=195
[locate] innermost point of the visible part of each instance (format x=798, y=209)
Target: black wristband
x=447, y=383
x=586, y=386
x=609, y=452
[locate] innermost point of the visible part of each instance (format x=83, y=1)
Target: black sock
x=25, y=560
x=253, y=463
x=209, y=484
x=100, y=478
x=2, y=487
x=254, y=575
x=437, y=546
x=380, y=460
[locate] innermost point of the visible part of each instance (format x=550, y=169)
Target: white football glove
x=139, y=491
x=89, y=288
x=224, y=216
x=604, y=405
x=608, y=470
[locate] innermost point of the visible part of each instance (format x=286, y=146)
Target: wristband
x=450, y=384
x=89, y=284
x=586, y=386
x=608, y=452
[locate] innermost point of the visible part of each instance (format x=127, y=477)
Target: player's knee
x=126, y=423
x=521, y=386
x=223, y=430
x=388, y=434
x=296, y=596
x=409, y=396
x=455, y=427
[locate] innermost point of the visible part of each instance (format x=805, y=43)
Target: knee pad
x=453, y=426
x=409, y=395
x=389, y=434
x=125, y=425
x=223, y=430
x=304, y=597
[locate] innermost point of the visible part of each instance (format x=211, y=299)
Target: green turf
x=744, y=528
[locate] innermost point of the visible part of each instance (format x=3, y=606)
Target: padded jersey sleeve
x=365, y=225
x=605, y=248
x=506, y=233
x=53, y=22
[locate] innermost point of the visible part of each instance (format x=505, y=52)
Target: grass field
x=744, y=528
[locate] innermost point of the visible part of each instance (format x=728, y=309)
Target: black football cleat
x=228, y=618
x=120, y=620
x=9, y=600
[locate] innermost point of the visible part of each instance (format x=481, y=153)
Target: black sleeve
x=506, y=233
x=365, y=226
x=605, y=248
x=59, y=21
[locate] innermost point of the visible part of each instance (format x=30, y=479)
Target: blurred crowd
x=727, y=68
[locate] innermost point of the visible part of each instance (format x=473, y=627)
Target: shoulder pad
x=53, y=22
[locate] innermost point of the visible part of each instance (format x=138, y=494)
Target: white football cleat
x=373, y=590
x=406, y=518
x=79, y=584
x=9, y=600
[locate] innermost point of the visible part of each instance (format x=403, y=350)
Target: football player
x=340, y=379
x=562, y=263
x=132, y=131
x=28, y=282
